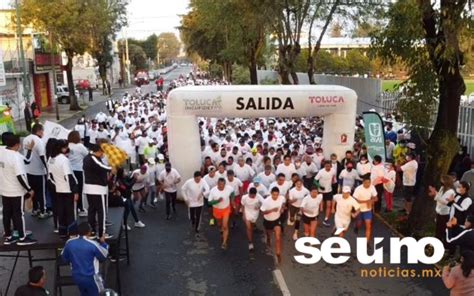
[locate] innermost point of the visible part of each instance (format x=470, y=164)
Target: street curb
x=280, y=280
x=399, y=234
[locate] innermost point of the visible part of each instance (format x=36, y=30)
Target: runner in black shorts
x=272, y=207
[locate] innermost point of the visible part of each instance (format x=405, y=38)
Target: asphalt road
x=167, y=259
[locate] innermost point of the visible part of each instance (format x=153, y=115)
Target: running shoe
x=212, y=222
x=83, y=213
x=44, y=215
x=128, y=227
x=250, y=247
x=26, y=241
x=139, y=224
x=326, y=223
x=10, y=240
x=224, y=246
x=295, y=236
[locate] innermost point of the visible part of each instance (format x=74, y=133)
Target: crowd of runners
x=266, y=169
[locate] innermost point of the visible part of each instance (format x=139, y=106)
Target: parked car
x=62, y=93
x=141, y=78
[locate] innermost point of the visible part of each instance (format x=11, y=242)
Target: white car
x=62, y=93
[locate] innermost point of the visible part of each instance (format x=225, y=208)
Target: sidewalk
x=49, y=114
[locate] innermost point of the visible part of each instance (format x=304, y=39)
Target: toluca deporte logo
x=206, y=104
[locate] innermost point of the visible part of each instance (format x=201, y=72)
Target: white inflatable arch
x=336, y=104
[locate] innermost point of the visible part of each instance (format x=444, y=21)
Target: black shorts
x=138, y=190
x=270, y=225
x=308, y=220
x=408, y=192
x=327, y=196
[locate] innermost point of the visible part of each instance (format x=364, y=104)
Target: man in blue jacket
x=84, y=256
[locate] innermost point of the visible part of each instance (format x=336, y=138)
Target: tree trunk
x=311, y=68
x=294, y=77
x=443, y=146
x=253, y=70
x=283, y=71
x=74, y=106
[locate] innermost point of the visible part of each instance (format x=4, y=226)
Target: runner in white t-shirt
x=261, y=189
x=365, y=195
x=193, y=191
x=343, y=207
x=326, y=177
x=272, y=208
x=287, y=168
x=219, y=198
x=211, y=180
x=295, y=197
x=310, y=211
x=251, y=203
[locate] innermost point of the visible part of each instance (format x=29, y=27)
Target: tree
x=357, y=62
x=138, y=57
x=103, y=20
x=64, y=20
x=150, y=46
x=427, y=39
x=168, y=47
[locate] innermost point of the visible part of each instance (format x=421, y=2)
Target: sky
x=146, y=17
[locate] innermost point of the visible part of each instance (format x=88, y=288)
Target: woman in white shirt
x=295, y=197
x=66, y=189
x=442, y=197
x=77, y=152
x=272, y=208
x=251, y=203
x=139, y=187
x=363, y=166
x=310, y=211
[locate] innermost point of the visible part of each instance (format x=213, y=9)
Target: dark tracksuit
x=96, y=190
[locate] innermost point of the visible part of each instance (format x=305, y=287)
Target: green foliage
x=168, y=47
x=269, y=81
x=215, y=71
x=138, y=58
x=240, y=74
x=354, y=63
x=150, y=46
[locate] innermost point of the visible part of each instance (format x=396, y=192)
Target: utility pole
x=53, y=67
x=127, y=60
x=24, y=66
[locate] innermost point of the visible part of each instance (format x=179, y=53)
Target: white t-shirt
x=442, y=200
x=409, y=173
x=252, y=206
x=11, y=165
x=298, y=195
x=348, y=178
x=215, y=194
x=266, y=180
x=307, y=170
x=284, y=188
x=60, y=167
x=77, y=152
x=312, y=205
x=325, y=179
x=141, y=180
x=261, y=189
x=244, y=173
x=362, y=194
x=236, y=184
x=169, y=180
x=363, y=168
x=211, y=181
x=268, y=204
x=36, y=166
x=141, y=142
x=286, y=170
x=377, y=173
x=193, y=193
x=344, y=208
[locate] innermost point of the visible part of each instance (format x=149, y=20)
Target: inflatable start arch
x=336, y=104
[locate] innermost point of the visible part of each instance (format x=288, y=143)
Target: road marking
x=281, y=282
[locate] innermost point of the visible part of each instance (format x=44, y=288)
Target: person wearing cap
x=261, y=189
x=168, y=179
x=193, y=191
x=220, y=198
x=151, y=182
x=344, y=208
x=96, y=188
x=251, y=203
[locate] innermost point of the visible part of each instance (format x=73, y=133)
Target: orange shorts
x=219, y=214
